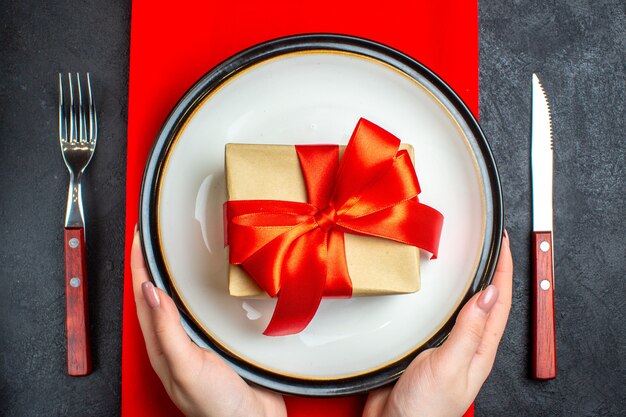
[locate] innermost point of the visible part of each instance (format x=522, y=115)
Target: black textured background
x=578, y=47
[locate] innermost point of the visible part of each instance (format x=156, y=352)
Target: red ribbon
x=296, y=250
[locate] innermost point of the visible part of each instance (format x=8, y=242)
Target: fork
x=78, y=133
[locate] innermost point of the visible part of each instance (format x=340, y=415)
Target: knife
x=544, y=337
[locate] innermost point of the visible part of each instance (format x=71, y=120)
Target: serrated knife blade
x=544, y=329
x=541, y=158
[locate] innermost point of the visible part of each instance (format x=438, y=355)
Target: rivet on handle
x=73, y=243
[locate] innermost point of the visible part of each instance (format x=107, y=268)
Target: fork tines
x=77, y=120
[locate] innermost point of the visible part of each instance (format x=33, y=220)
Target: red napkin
x=173, y=43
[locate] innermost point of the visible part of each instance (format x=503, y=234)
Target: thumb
x=170, y=339
x=168, y=346
x=462, y=344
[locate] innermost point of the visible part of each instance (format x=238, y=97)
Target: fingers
x=139, y=277
x=138, y=268
x=474, y=340
x=466, y=336
x=180, y=353
x=503, y=280
x=376, y=402
x=169, y=348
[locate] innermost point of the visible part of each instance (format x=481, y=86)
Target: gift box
x=376, y=266
x=304, y=222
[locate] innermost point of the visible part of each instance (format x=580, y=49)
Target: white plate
x=313, y=89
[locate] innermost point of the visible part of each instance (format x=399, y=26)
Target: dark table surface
x=579, y=49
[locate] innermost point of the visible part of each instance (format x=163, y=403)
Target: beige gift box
x=272, y=172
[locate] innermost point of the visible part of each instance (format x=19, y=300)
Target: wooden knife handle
x=544, y=336
x=76, y=319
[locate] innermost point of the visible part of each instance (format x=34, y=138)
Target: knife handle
x=544, y=337
x=76, y=318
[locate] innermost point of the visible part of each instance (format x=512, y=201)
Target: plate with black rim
x=310, y=89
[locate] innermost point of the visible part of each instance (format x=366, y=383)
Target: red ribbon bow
x=296, y=250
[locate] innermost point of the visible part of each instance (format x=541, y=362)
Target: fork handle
x=76, y=318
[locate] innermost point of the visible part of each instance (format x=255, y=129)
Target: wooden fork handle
x=76, y=319
x=544, y=337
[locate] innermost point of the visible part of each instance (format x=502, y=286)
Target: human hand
x=198, y=381
x=443, y=381
x=439, y=382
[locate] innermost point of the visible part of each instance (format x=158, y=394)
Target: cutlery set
x=78, y=133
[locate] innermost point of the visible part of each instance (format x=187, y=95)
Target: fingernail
x=150, y=294
x=506, y=234
x=136, y=228
x=488, y=298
